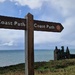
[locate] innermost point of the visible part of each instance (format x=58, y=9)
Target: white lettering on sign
x=44, y=26
x=19, y=23
x=6, y=22
x=50, y=27
x=39, y=26
x=15, y=23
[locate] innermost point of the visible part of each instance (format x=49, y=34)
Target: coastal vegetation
x=59, y=67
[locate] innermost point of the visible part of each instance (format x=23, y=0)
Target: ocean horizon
x=12, y=57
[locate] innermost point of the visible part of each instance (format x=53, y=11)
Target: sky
x=61, y=11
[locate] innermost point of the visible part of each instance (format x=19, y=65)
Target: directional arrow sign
x=47, y=26
x=19, y=23
x=12, y=23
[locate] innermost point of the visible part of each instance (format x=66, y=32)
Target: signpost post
x=29, y=45
x=29, y=24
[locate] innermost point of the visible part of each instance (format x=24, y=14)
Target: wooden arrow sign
x=12, y=23
x=47, y=26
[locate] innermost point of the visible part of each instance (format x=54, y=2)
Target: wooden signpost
x=29, y=25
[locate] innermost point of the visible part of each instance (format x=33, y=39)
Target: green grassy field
x=61, y=67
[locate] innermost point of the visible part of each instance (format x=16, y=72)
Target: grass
x=61, y=67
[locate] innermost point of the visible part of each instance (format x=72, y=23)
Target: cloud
x=64, y=6
x=69, y=25
x=30, y=3
x=11, y=38
x=2, y=1
x=67, y=10
x=46, y=37
x=10, y=43
x=68, y=34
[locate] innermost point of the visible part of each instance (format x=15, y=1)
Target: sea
x=13, y=57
